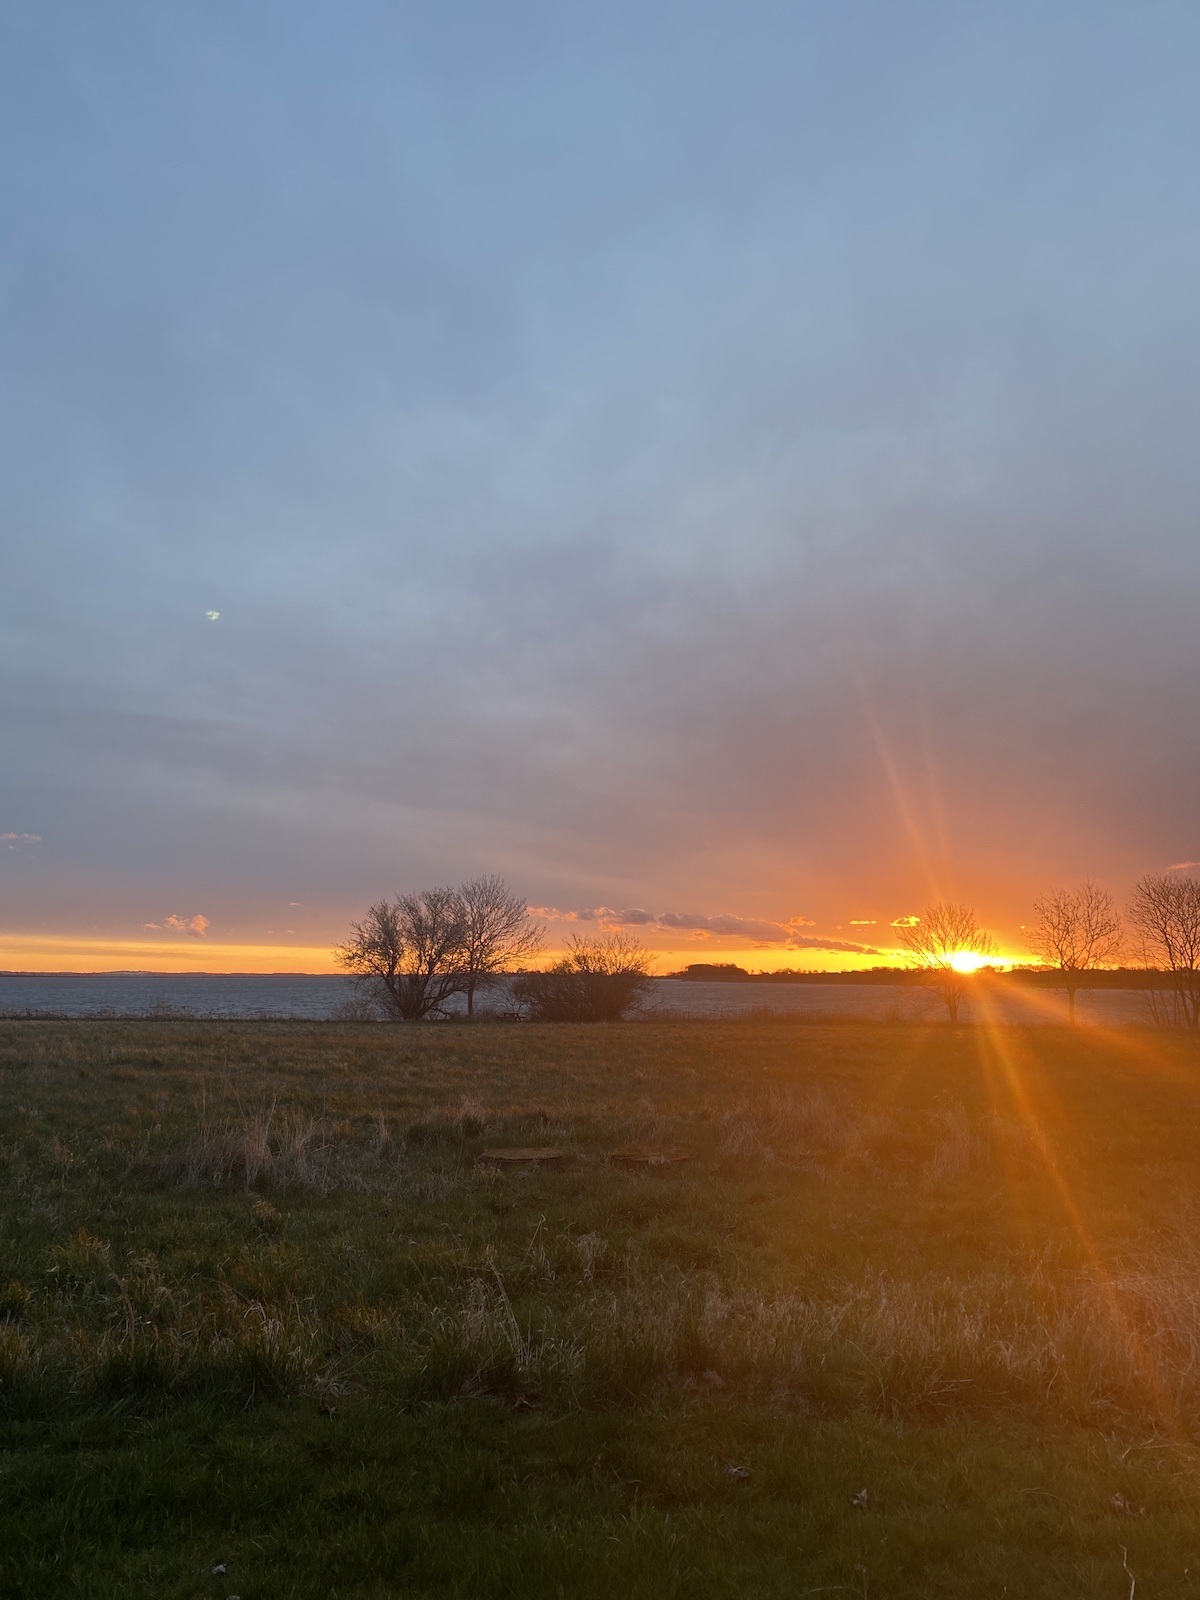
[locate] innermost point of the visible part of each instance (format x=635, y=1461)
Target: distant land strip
x=894, y=977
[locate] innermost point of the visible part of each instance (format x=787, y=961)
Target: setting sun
x=970, y=961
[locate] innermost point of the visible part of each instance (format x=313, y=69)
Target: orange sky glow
x=58, y=953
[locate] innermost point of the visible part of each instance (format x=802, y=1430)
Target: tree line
x=412, y=956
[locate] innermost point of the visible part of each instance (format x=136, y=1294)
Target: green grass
x=261, y=1306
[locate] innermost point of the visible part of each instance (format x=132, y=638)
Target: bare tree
x=497, y=933
x=597, y=980
x=1165, y=909
x=408, y=953
x=934, y=943
x=1076, y=930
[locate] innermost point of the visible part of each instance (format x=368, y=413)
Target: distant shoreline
x=888, y=977
x=904, y=978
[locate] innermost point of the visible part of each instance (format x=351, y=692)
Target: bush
x=598, y=980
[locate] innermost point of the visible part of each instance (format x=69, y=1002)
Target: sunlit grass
x=260, y=1305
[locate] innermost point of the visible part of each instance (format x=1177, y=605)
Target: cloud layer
x=790, y=506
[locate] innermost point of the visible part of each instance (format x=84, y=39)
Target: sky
x=728, y=468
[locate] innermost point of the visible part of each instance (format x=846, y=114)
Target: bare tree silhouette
x=1165, y=909
x=1076, y=930
x=497, y=933
x=943, y=933
x=408, y=953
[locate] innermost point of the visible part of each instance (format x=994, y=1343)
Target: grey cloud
x=742, y=927
x=759, y=932
x=754, y=930
x=632, y=503
x=801, y=943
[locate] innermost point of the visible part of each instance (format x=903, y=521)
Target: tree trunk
x=470, y=998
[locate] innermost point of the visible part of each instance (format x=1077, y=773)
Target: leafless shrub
x=597, y=980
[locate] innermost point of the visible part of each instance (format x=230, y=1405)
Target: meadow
x=919, y=1316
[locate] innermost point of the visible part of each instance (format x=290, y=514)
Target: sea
x=307, y=997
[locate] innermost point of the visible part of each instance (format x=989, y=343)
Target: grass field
x=920, y=1318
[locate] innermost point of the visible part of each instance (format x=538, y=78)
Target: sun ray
x=998, y=1042
x=905, y=808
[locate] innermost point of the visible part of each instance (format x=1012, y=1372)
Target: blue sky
x=705, y=459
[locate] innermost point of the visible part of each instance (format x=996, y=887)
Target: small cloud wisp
x=196, y=926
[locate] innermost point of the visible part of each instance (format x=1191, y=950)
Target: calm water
x=141, y=994
x=138, y=994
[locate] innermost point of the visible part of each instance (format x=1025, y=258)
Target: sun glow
x=970, y=961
